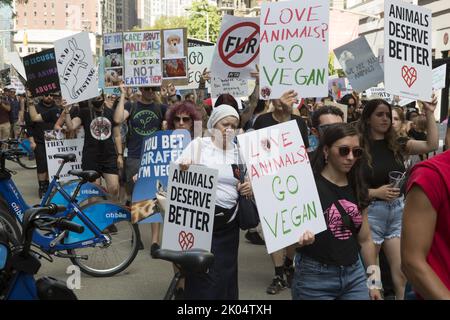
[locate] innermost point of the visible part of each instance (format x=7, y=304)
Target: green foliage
x=197, y=22
x=170, y=22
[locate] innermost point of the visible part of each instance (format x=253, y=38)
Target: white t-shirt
x=202, y=151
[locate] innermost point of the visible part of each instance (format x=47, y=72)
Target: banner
x=42, y=73
x=283, y=184
x=407, y=49
x=360, y=64
x=112, y=60
x=189, y=219
x=54, y=144
x=17, y=63
x=294, y=48
x=236, y=87
x=157, y=152
x=76, y=68
x=237, y=49
x=199, y=59
x=142, y=58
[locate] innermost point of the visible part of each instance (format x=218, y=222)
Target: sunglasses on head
x=345, y=151
x=185, y=119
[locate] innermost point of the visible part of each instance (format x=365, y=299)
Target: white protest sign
x=236, y=87
x=359, y=64
x=16, y=62
x=237, y=48
x=189, y=217
x=199, y=59
x=113, y=60
x=76, y=69
x=283, y=184
x=381, y=57
x=17, y=85
x=142, y=58
x=380, y=93
x=439, y=77
x=294, y=48
x=407, y=50
x=64, y=146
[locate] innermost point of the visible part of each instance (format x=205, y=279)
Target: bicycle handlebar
x=65, y=224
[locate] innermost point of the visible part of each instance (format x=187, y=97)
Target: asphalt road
x=147, y=278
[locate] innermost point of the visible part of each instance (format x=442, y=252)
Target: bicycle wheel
x=108, y=259
x=9, y=224
x=27, y=161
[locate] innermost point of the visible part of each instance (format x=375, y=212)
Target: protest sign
x=360, y=64
x=174, y=61
x=42, y=73
x=294, y=48
x=237, y=48
x=157, y=152
x=236, y=87
x=198, y=43
x=189, y=219
x=16, y=62
x=142, y=58
x=76, y=68
x=54, y=144
x=379, y=93
x=17, y=85
x=112, y=60
x=199, y=59
x=5, y=77
x=439, y=77
x=381, y=57
x=283, y=184
x=336, y=88
x=407, y=49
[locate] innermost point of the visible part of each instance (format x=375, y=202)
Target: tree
x=170, y=22
x=197, y=20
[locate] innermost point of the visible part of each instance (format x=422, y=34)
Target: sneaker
x=254, y=238
x=276, y=286
x=289, y=272
x=154, y=248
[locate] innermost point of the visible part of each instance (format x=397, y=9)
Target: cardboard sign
x=199, y=59
x=237, y=48
x=439, y=77
x=189, y=219
x=283, y=184
x=360, y=64
x=142, y=58
x=157, y=152
x=112, y=60
x=175, y=51
x=54, y=144
x=407, y=50
x=17, y=63
x=76, y=68
x=42, y=73
x=236, y=87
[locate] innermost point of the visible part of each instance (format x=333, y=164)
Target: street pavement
x=147, y=278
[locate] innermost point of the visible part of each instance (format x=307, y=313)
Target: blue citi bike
x=108, y=243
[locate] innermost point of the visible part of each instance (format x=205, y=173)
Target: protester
x=425, y=248
x=330, y=267
x=399, y=121
x=219, y=152
x=14, y=114
x=385, y=155
x=282, y=113
x=5, y=109
x=183, y=115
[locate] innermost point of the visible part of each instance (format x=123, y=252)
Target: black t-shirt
x=49, y=116
x=98, y=131
x=143, y=121
x=337, y=245
x=383, y=162
x=266, y=120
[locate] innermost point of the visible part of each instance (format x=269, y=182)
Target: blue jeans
x=317, y=281
x=385, y=219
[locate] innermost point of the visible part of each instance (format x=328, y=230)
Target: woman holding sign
x=386, y=155
x=219, y=152
x=328, y=266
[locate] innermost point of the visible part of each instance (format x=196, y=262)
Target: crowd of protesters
x=351, y=163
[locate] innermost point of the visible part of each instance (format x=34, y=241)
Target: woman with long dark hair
x=330, y=267
x=386, y=154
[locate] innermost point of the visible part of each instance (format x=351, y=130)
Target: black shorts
x=108, y=163
x=41, y=158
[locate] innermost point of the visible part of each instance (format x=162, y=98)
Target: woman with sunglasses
x=386, y=153
x=328, y=266
x=183, y=115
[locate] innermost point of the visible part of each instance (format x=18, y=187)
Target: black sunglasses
x=185, y=119
x=345, y=151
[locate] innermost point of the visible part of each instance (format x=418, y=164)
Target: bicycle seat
x=88, y=175
x=191, y=261
x=70, y=157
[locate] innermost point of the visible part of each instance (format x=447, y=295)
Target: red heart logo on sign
x=186, y=240
x=409, y=75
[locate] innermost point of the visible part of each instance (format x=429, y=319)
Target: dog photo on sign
x=173, y=44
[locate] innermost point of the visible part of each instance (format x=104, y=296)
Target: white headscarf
x=221, y=112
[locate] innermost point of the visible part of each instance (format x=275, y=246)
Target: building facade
x=126, y=15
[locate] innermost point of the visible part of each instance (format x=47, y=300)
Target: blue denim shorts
x=317, y=281
x=385, y=219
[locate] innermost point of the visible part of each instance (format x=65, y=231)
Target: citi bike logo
x=17, y=210
x=74, y=280
x=90, y=191
x=116, y=215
